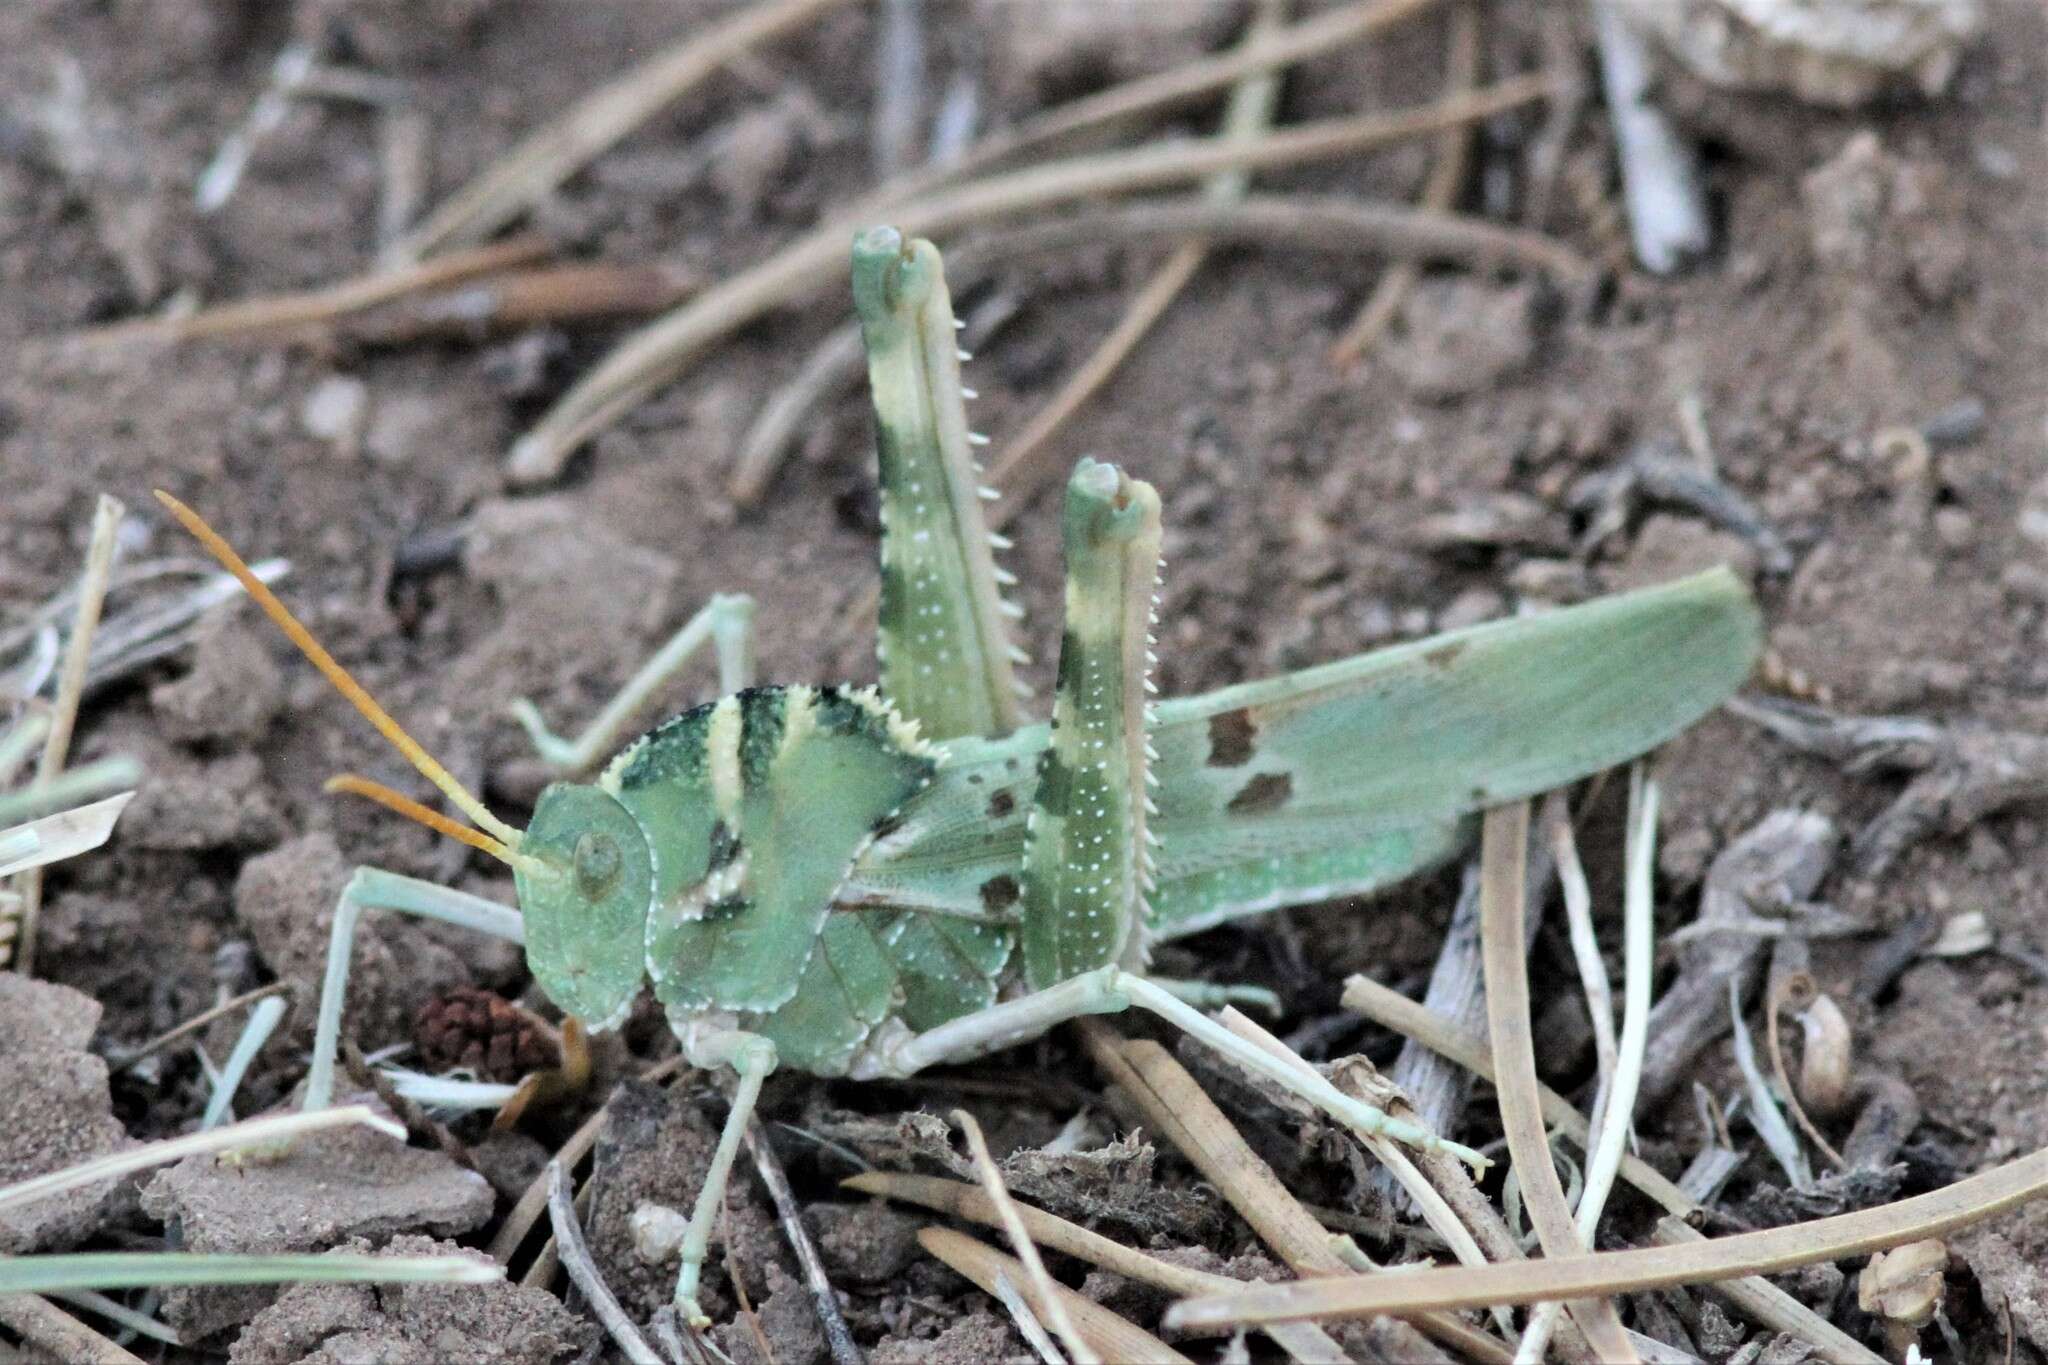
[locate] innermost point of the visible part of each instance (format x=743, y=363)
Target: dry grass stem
x=1394, y=1011
x=1762, y=1302
x=1391, y=1010
x=832, y=366
x=549, y=155
x=1025, y=1321
x=1615, y=1272
x=1436, y=1211
x=1504, y=854
x=249, y=1133
x=838, y=1336
x=1269, y=222
x=1250, y=113
x=92, y=596
x=1439, y=194
x=1110, y=1336
x=509, y=300
x=319, y=307
x=66, y=1338
x=663, y=350
x=767, y=442
x=197, y=1022
x=1578, y=912
x=1106, y=109
x=1765, y=1117
x=583, y=1272
x=1183, y=1111
x=1613, y=1110
x=1048, y=1303
x=962, y=1200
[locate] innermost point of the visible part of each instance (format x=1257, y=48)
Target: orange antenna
x=404, y=805
x=479, y=814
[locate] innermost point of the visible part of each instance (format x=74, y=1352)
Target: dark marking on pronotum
x=1444, y=655
x=724, y=846
x=1267, y=791
x=1232, y=736
x=727, y=907
x=998, y=894
x=1000, y=805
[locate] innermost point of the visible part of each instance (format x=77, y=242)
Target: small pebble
x=333, y=412
x=1954, y=527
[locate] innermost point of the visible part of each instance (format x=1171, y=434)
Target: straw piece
x=1109, y=1334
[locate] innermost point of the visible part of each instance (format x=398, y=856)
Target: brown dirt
x=1876, y=269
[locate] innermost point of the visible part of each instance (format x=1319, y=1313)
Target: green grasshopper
x=863, y=882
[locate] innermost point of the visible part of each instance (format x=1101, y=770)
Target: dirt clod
x=419, y=1324
x=231, y=695
x=789, y=1323
x=54, y=1110
x=287, y=897
x=330, y=1187
x=863, y=1243
x=978, y=1338
x=1463, y=337
x=222, y=804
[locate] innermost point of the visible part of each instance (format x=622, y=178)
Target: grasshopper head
x=585, y=878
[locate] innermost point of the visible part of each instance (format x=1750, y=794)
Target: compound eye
x=598, y=865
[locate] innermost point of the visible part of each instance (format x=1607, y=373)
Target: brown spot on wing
x=1267, y=791
x=999, y=893
x=1001, y=804
x=1444, y=654
x=1232, y=737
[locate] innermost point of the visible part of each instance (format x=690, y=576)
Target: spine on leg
x=1087, y=845
x=947, y=660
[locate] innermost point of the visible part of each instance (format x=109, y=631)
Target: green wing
x=1344, y=778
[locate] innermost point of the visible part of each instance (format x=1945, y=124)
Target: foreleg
x=752, y=1059
x=726, y=621
x=372, y=888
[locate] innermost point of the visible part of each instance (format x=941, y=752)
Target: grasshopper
x=863, y=882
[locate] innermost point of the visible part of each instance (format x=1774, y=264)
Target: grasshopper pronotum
x=864, y=882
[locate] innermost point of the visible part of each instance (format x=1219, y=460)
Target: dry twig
x=1439, y=193
x=1709, y=1261
x=1115, y=1338
x=1965, y=772
x=1250, y=113
x=1047, y=1300
x=92, y=593
x=549, y=155
x=663, y=350
x=66, y=1338
x=838, y=1336
x=1504, y=853
x=1776, y=864
x=583, y=1272
x=320, y=306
